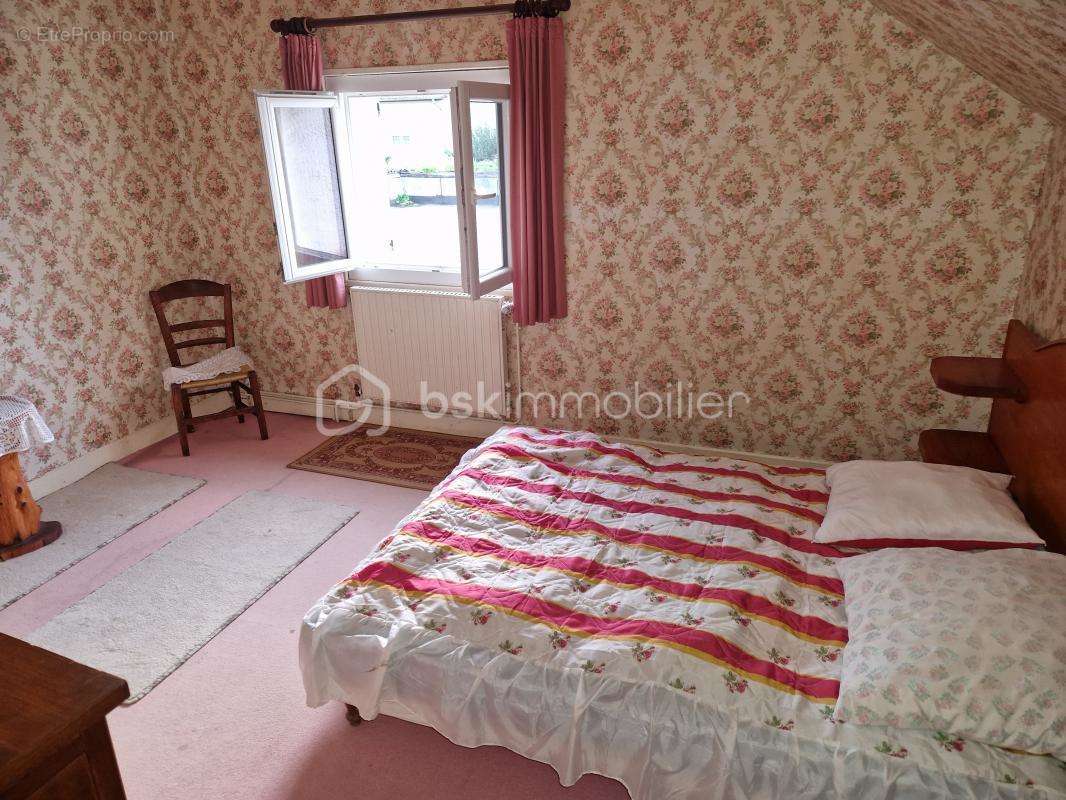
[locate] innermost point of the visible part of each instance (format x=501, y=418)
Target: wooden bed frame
x=1026, y=435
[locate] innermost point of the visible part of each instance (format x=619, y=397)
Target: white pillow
x=911, y=504
x=966, y=644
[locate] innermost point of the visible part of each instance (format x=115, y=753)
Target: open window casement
x=305, y=141
x=480, y=116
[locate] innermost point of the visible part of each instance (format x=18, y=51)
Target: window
x=393, y=176
x=303, y=137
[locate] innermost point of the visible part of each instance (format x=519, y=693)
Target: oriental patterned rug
x=400, y=457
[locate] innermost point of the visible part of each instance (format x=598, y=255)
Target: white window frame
x=268, y=102
x=376, y=81
x=465, y=91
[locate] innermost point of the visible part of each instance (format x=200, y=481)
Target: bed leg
x=352, y=714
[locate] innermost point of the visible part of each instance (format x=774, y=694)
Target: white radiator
x=452, y=343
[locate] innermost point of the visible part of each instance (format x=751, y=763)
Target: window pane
x=404, y=161
x=486, y=131
x=309, y=163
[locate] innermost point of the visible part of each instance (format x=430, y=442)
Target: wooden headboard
x=1030, y=434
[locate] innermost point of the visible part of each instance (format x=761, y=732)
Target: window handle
x=484, y=196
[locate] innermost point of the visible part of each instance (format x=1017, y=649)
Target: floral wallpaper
x=803, y=202
x=89, y=194
x=1042, y=301
x=1020, y=45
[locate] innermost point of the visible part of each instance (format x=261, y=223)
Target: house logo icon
x=358, y=412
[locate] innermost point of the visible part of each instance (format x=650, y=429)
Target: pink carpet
x=231, y=722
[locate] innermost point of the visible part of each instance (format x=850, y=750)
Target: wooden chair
x=231, y=382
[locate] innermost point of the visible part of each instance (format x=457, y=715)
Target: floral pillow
x=966, y=644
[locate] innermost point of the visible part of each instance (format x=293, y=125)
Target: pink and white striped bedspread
x=655, y=591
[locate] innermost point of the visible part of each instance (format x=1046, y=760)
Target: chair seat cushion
x=232, y=359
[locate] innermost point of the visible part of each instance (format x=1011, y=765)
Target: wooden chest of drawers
x=54, y=742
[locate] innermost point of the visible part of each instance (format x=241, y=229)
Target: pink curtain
x=301, y=68
x=535, y=58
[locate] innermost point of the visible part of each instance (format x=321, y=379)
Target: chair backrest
x=180, y=290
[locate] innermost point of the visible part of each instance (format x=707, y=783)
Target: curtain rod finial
x=299, y=25
x=553, y=8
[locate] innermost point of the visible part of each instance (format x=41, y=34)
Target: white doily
x=232, y=359
x=21, y=425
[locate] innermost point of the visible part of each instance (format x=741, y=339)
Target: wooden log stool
x=21, y=529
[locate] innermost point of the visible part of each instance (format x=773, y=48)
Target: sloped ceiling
x=1020, y=45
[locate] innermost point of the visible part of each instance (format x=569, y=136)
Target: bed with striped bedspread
x=660, y=618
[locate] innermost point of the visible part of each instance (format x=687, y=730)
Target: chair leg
x=187, y=410
x=253, y=381
x=235, y=388
x=178, y=400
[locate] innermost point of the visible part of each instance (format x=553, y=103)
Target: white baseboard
x=113, y=451
x=400, y=417
x=473, y=426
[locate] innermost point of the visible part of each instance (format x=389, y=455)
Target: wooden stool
x=21, y=529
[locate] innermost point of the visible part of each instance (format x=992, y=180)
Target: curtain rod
x=521, y=8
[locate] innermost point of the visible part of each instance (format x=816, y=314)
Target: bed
x=667, y=620
x=661, y=619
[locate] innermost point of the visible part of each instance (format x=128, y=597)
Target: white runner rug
x=94, y=511
x=145, y=622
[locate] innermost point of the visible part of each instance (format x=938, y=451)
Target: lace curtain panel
x=21, y=425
